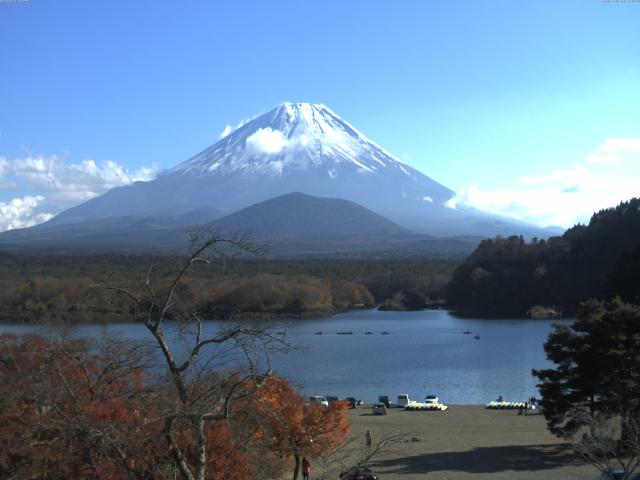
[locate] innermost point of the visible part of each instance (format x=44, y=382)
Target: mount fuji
x=296, y=147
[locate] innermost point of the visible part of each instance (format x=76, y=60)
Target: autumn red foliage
x=295, y=427
x=69, y=412
x=69, y=409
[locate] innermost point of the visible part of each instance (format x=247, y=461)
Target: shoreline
x=113, y=318
x=119, y=319
x=116, y=319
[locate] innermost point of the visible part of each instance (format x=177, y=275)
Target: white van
x=431, y=399
x=320, y=400
x=403, y=400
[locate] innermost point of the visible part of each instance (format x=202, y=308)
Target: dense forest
x=508, y=276
x=74, y=288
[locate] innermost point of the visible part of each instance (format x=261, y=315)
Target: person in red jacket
x=306, y=469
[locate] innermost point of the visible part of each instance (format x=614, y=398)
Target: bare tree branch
x=202, y=396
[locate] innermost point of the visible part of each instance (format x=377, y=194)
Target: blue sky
x=529, y=109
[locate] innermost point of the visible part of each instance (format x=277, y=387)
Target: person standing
x=306, y=469
x=368, y=437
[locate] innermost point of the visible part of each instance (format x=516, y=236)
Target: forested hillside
x=71, y=288
x=508, y=276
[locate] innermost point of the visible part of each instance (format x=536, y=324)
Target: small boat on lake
x=368, y=333
x=477, y=337
x=318, y=333
x=345, y=333
x=466, y=332
x=384, y=333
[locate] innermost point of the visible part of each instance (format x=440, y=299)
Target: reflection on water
x=425, y=353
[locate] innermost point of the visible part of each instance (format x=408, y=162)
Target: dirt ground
x=468, y=442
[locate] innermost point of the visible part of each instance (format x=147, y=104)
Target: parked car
x=431, y=399
x=379, y=409
x=618, y=475
x=403, y=400
x=331, y=398
x=384, y=399
x=353, y=403
x=359, y=474
x=319, y=399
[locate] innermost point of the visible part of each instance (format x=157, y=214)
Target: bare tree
x=205, y=388
x=601, y=445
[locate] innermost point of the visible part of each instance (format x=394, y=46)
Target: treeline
x=74, y=288
x=508, y=276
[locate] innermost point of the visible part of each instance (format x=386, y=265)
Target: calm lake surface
x=424, y=353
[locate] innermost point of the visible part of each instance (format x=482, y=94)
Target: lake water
x=424, y=353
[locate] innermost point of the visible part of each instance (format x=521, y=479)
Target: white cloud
x=612, y=149
x=230, y=128
x=49, y=184
x=266, y=141
x=566, y=196
x=22, y=212
x=227, y=130
x=4, y=171
x=68, y=182
x=453, y=201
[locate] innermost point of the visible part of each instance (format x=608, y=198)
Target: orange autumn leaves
x=298, y=426
x=68, y=410
x=293, y=427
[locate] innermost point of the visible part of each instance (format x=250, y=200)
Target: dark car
x=359, y=474
x=353, y=403
x=331, y=398
x=618, y=475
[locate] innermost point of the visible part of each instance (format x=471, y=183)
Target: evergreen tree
x=625, y=279
x=597, y=368
x=508, y=276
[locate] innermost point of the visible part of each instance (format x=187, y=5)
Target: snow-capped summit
x=293, y=136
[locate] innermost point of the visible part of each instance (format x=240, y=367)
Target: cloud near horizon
x=564, y=197
x=21, y=213
x=46, y=185
x=613, y=150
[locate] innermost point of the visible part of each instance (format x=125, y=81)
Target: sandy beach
x=468, y=442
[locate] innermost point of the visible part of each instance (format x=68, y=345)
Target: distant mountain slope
x=299, y=225
x=292, y=225
x=509, y=275
x=118, y=232
x=298, y=147
x=297, y=215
